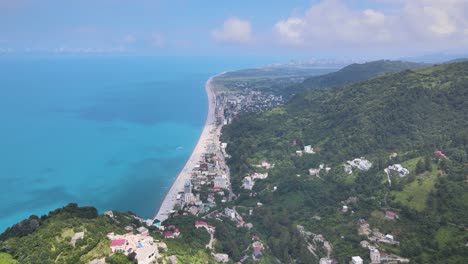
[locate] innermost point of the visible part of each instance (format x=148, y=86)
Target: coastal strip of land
x=206, y=137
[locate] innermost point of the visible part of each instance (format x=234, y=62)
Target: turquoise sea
x=112, y=132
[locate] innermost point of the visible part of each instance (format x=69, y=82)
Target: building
x=266, y=165
x=146, y=254
x=143, y=230
x=347, y=168
x=109, y=213
x=219, y=257
x=440, y=155
x=375, y=255
x=220, y=182
x=188, y=186
x=308, y=149
x=391, y=215
x=199, y=224
x=299, y=153
x=248, y=183
x=356, y=260
x=326, y=261
x=360, y=163
x=117, y=245
x=169, y=234
x=314, y=172
x=365, y=244
x=402, y=172
x=230, y=213
x=259, y=176
x=344, y=209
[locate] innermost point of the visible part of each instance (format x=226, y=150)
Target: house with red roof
x=200, y=224
x=168, y=234
x=118, y=245
x=176, y=232
x=391, y=215
x=439, y=154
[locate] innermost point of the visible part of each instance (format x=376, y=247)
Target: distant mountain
x=458, y=60
x=354, y=73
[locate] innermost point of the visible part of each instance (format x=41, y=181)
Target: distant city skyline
x=310, y=29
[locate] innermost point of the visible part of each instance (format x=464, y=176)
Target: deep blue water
x=112, y=132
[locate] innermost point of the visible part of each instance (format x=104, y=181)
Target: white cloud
x=234, y=30
x=416, y=24
x=291, y=30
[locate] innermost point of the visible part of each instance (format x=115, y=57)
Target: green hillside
x=47, y=239
x=411, y=113
x=354, y=73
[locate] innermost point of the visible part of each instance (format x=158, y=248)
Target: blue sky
x=320, y=28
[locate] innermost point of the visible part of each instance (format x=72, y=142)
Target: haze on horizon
x=304, y=28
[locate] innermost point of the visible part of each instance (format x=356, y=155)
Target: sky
x=318, y=28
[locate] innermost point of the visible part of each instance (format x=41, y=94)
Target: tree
x=427, y=163
x=420, y=167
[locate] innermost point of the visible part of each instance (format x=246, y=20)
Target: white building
x=326, y=261
x=143, y=230
x=348, y=169
x=360, y=163
x=314, y=172
x=230, y=213
x=248, y=183
x=357, y=260
x=220, y=182
x=402, y=172
x=259, y=176
x=308, y=149
x=375, y=255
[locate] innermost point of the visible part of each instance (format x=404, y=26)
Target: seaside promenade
x=206, y=137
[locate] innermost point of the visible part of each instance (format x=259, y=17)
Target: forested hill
x=400, y=118
x=399, y=112
x=354, y=73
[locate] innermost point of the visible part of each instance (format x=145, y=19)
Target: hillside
x=410, y=114
x=354, y=73
x=49, y=239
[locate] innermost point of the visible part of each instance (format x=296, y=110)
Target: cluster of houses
x=375, y=238
x=316, y=172
x=142, y=246
x=249, y=181
x=171, y=232
x=243, y=101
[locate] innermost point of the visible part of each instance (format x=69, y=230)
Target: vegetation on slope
x=411, y=113
x=354, y=73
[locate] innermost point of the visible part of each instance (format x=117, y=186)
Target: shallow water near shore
x=112, y=132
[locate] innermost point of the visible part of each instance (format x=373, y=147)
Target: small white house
x=357, y=260
x=308, y=149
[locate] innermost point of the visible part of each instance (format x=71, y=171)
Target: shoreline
x=170, y=199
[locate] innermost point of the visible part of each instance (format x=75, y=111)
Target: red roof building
x=118, y=242
x=168, y=234
x=118, y=245
x=440, y=154
x=391, y=215
x=200, y=224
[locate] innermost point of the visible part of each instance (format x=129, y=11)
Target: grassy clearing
x=101, y=250
x=414, y=194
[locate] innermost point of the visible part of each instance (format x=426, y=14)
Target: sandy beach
x=170, y=199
